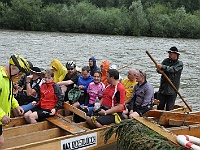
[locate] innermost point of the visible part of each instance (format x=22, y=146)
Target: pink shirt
x=95, y=90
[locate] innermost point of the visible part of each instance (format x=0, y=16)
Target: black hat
x=36, y=70
x=173, y=50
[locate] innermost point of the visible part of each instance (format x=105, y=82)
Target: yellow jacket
x=60, y=72
x=129, y=86
x=7, y=100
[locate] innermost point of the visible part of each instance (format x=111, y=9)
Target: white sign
x=80, y=142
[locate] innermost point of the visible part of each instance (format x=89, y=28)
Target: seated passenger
x=70, y=79
x=129, y=84
x=58, y=69
x=95, y=91
x=30, y=90
x=104, y=68
x=51, y=100
x=93, y=66
x=83, y=81
x=143, y=96
x=112, y=102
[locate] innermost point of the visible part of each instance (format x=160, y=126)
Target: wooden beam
x=163, y=117
x=173, y=122
x=24, y=129
x=192, y=130
x=157, y=128
x=65, y=124
x=17, y=121
x=75, y=110
x=33, y=137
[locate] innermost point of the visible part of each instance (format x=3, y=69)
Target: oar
x=128, y=64
x=169, y=81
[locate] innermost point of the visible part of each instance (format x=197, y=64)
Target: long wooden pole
x=169, y=81
x=128, y=64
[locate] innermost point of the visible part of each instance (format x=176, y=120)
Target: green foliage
x=132, y=135
x=138, y=18
x=23, y=14
x=110, y=21
x=105, y=3
x=51, y=19
x=169, y=18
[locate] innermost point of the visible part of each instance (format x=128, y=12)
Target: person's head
x=71, y=67
x=97, y=76
x=92, y=62
x=105, y=65
x=18, y=65
x=43, y=72
x=112, y=76
x=85, y=72
x=132, y=74
x=141, y=76
x=56, y=65
x=48, y=76
x=36, y=72
x=173, y=53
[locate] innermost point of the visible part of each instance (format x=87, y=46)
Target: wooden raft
x=65, y=124
x=173, y=118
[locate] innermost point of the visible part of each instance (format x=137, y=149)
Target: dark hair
x=99, y=72
x=86, y=68
x=113, y=73
x=49, y=72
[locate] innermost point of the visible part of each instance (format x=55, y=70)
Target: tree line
x=157, y=18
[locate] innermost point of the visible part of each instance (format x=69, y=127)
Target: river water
x=41, y=47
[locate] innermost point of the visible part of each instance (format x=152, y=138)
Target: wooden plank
x=192, y=130
x=75, y=110
x=20, y=130
x=195, y=113
x=164, y=119
x=55, y=142
x=33, y=137
x=65, y=124
x=17, y=121
x=159, y=129
x=154, y=114
x=173, y=122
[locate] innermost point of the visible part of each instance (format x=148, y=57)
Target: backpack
x=74, y=94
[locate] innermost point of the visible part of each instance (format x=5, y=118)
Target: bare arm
x=66, y=83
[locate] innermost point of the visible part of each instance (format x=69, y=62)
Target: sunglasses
x=70, y=68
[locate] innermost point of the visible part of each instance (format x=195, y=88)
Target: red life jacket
x=48, y=98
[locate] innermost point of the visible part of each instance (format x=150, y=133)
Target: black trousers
x=168, y=100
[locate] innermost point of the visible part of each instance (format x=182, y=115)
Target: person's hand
x=28, y=78
x=84, y=106
x=34, y=103
x=5, y=119
x=81, y=87
x=131, y=111
x=102, y=112
x=20, y=110
x=159, y=66
x=53, y=111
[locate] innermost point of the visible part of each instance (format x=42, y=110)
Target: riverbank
x=151, y=19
